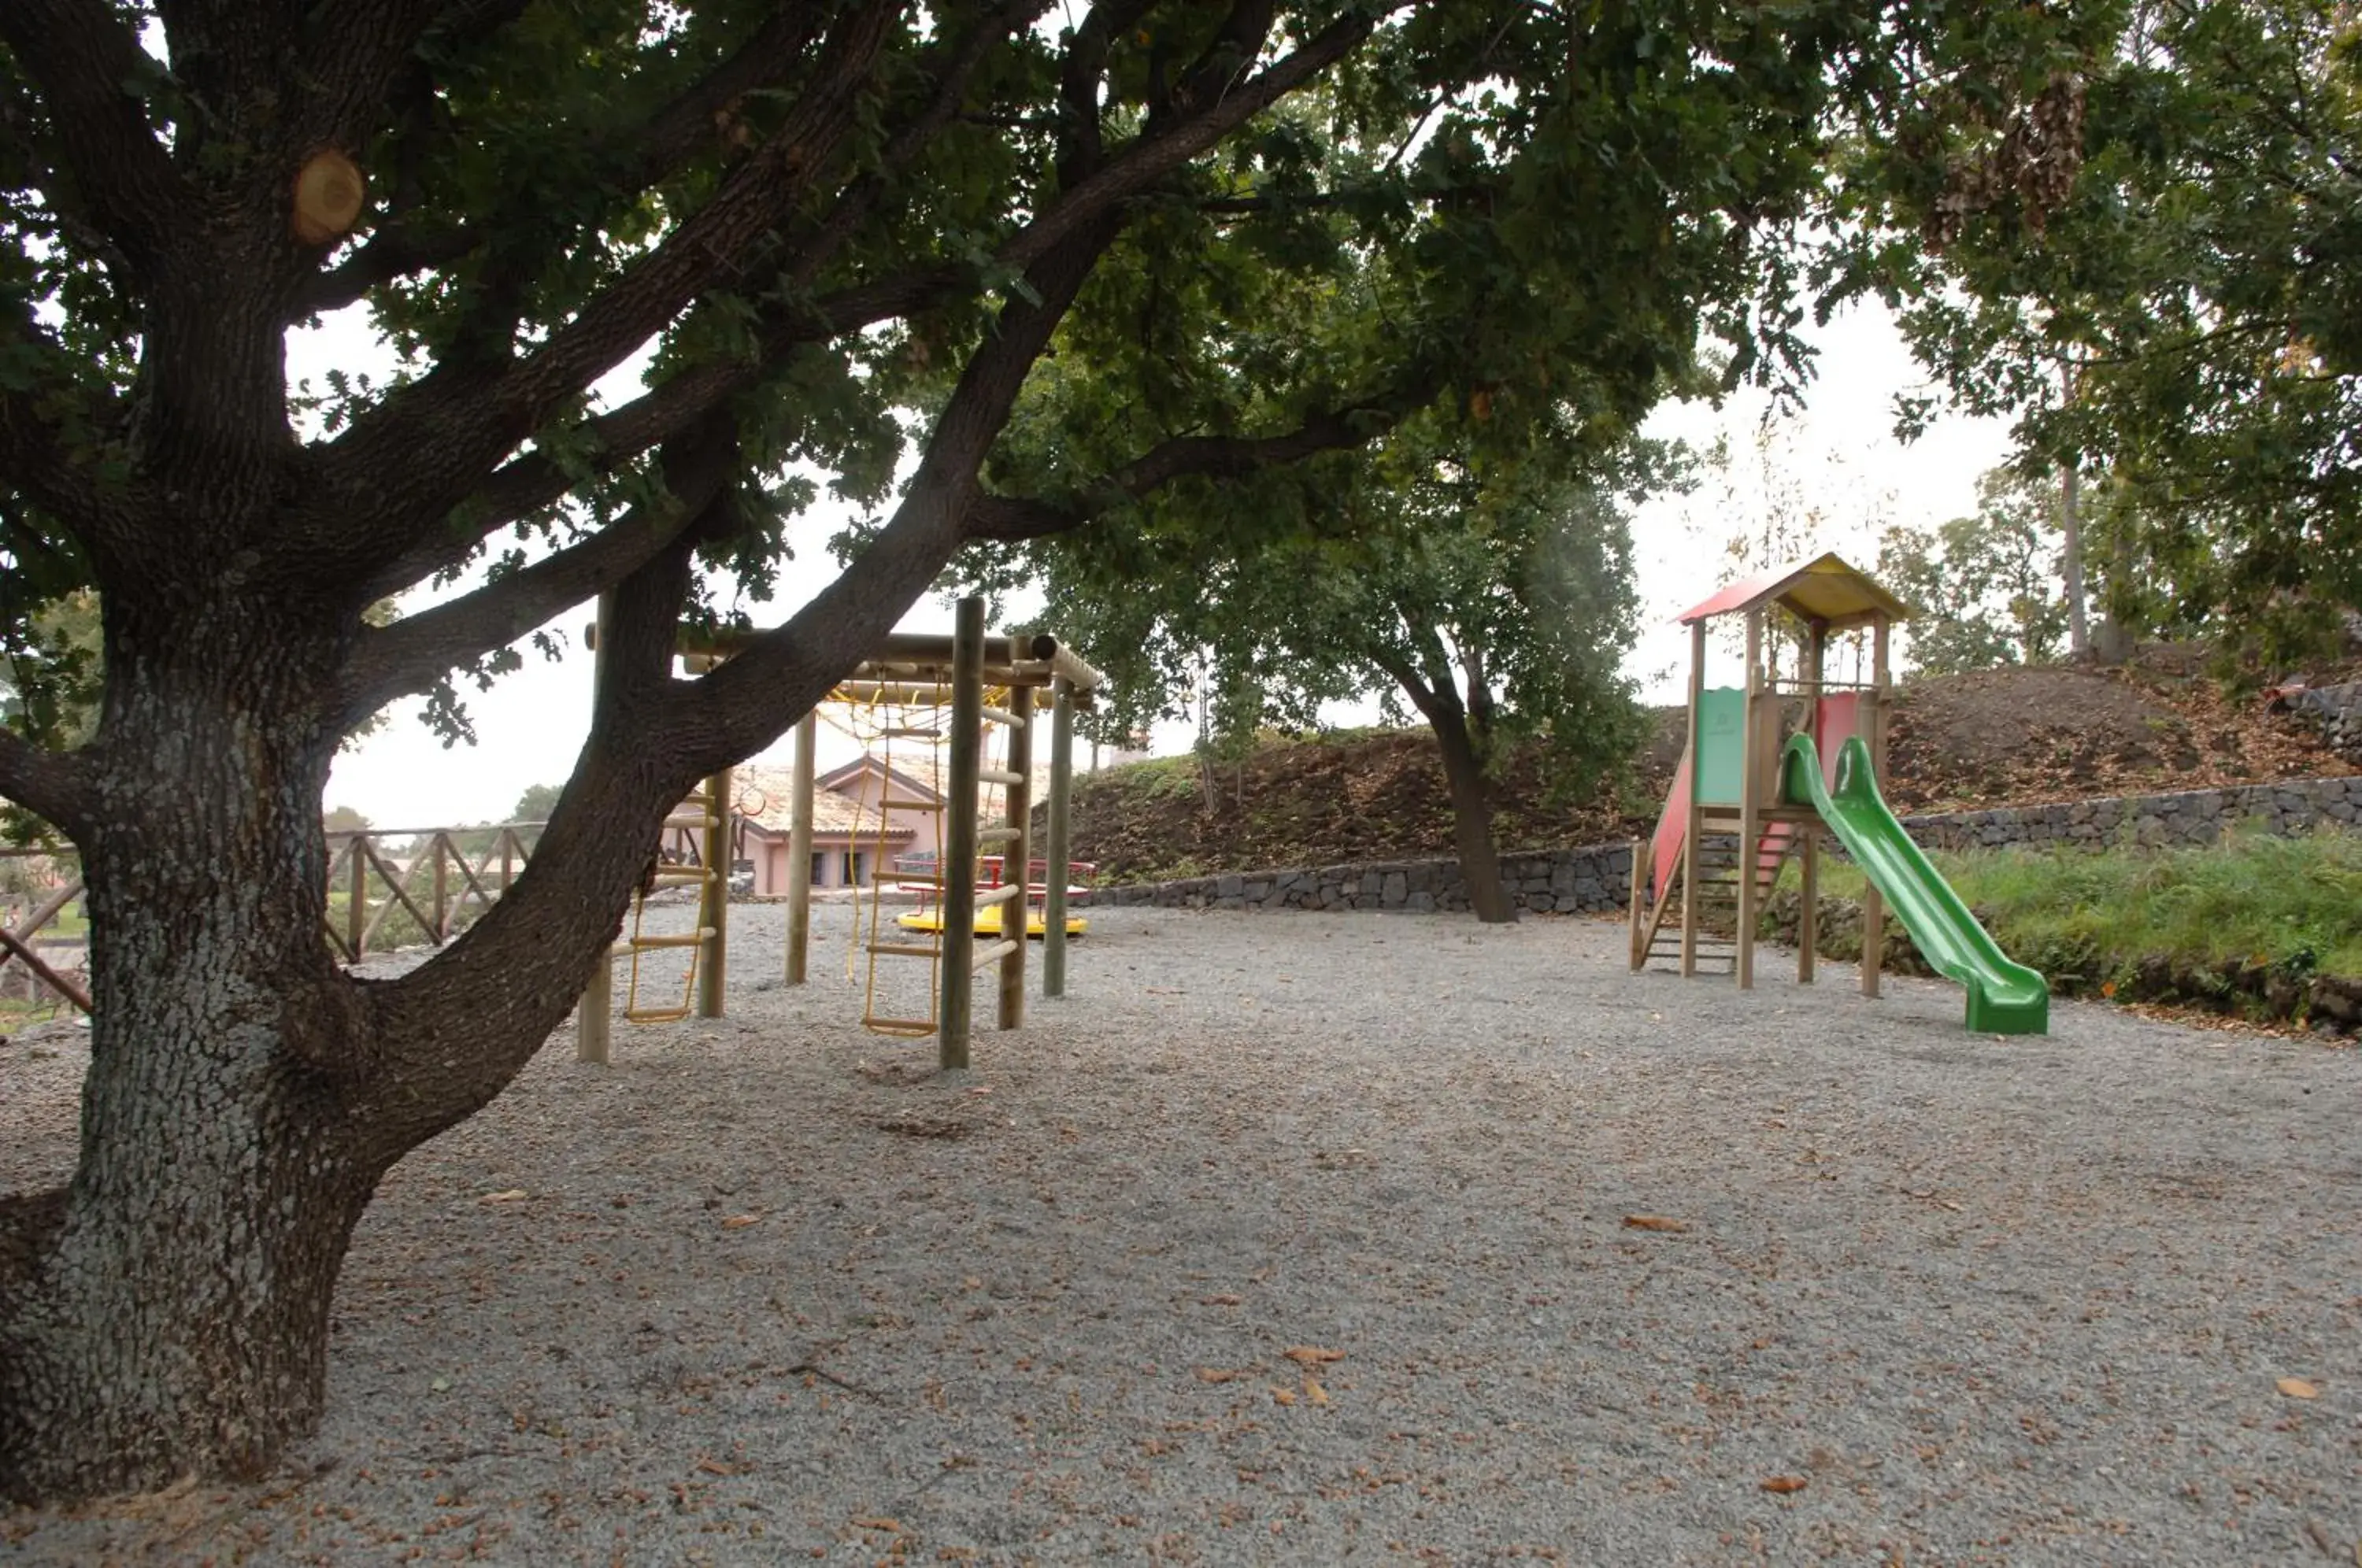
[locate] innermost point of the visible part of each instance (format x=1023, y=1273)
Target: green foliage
x=2185, y=323
x=2091, y=917
x=1987, y=588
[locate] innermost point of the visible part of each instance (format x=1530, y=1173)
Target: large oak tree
x=845, y=227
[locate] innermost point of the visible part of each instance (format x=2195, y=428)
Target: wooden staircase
x=1718, y=907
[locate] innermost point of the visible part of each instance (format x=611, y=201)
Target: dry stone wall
x=2338, y=710
x=1597, y=878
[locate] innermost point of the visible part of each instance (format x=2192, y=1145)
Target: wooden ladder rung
x=993, y=952
x=884, y=805
x=905, y=949
x=679, y=875
x=998, y=776
x=649, y=944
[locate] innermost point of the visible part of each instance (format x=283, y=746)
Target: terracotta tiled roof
x=765, y=797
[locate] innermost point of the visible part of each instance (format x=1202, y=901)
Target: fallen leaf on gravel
x=1312, y=1355
x=892, y=1527
x=2298, y=1389
x=511, y=1196
x=1283, y=1396
x=1218, y=1301
x=1215, y=1375
x=715, y=1467
x=1313, y=1391
x=1785, y=1484
x=739, y=1222
x=1654, y=1222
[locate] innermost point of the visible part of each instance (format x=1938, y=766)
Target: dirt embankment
x=1989, y=738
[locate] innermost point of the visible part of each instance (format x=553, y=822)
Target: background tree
x=840, y=229
x=2193, y=270
x=1988, y=588
x=343, y=819
x=1495, y=600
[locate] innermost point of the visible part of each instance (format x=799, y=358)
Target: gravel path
x=1309, y=1238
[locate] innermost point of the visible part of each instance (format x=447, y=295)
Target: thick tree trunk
x=1472, y=822
x=169, y=1315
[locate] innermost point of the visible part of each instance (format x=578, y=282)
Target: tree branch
x=410, y=653
x=532, y=481
x=37, y=449
x=649, y=150
x=749, y=701
x=418, y=452
x=85, y=60
x=55, y=786
x=1015, y=518
x=1407, y=676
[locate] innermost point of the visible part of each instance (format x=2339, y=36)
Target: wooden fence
x=372, y=895
x=433, y=890
x=16, y=943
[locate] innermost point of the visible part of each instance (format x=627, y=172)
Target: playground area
x=1315, y=1237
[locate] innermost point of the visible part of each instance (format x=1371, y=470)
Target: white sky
x=1840, y=453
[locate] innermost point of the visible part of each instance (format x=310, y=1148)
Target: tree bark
x=167, y=1314
x=1472, y=822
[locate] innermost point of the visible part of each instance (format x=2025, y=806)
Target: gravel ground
x=1311, y=1238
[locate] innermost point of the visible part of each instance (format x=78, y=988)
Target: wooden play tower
x=1031, y=673
x=1772, y=766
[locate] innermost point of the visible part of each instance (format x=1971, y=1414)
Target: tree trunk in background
x=2070, y=556
x=1471, y=821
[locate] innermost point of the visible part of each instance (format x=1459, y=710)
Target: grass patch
x=2293, y=905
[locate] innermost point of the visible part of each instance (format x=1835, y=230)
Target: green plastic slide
x=2004, y=998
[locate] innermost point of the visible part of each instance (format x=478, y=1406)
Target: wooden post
x=1692, y=819
x=1061, y=848
x=1632, y=907
x=713, y=900
x=1873, y=727
x=1808, y=912
x=1750, y=804
x=1018, y=816
x=800, y=837
x=1808, y=854
x=356, y=900
x=442, y=890
x=957, y=867
x=510, y=844
x=591, y=1014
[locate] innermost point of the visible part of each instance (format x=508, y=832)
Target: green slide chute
x=2004, y=998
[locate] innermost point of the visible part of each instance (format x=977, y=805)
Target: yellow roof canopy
x=1824, y=591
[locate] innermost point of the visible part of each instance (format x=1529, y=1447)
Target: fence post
x=442, y=909
x=356, y=900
